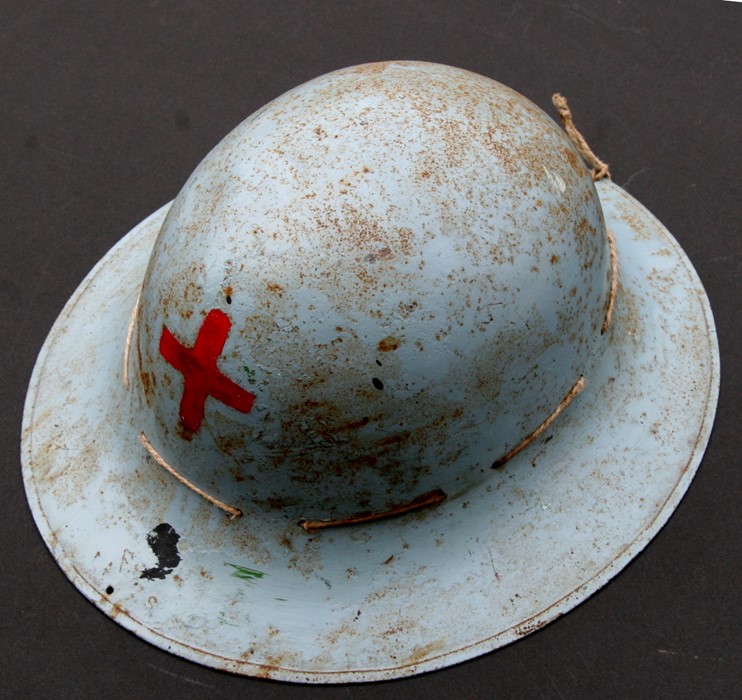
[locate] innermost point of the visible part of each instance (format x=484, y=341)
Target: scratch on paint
x=673, y=652
x=177, y=675
x=242, y=572
x=224, y=621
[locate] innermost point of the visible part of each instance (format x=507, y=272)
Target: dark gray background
x=105, y=108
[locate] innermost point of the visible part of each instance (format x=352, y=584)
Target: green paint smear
x=224, y=621
x=242, y=572
x=250, y=374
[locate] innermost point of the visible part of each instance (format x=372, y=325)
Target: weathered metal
x=371, y=291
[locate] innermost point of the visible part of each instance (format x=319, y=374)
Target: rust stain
x=389, y=344
x=353, y=425
x=118, y=609
x=231, y=443
x=148, y=383
x=394, y=439
x=425, y=651
x=275, y=288
x=183, y=432
x=361, y=462
x=574, y=161
x=530, y=627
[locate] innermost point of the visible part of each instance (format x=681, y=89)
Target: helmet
x=392, y=300
x=403, y=268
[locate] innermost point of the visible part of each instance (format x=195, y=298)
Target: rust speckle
x=574, y=161
x=554, y=259
x=529, y=627
x=353, y=425
x=183, y=432
x=275, y=288
x=363, y=461
x=147, y=383
x=230, y=443
x=388, y=344
x=117, y=609
x=393, y=439
x=277, y=503
x=425, y=651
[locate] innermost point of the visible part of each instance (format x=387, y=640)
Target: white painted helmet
x=375, y=287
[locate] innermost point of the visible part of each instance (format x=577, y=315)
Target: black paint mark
x=163, y=541
x=377, y=383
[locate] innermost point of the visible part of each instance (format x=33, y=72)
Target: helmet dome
x=373, y=287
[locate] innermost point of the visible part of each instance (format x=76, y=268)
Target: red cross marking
x=201, y=376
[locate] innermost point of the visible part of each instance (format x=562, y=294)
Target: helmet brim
x=261, y=597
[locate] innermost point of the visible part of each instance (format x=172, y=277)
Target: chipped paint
x=163, y=541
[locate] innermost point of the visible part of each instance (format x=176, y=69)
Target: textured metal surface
x=495, y=561
x=413, y=265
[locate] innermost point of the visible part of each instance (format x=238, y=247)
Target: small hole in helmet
x=229, y=299
x=378, y=363
x=377, y=383
x=109, y=590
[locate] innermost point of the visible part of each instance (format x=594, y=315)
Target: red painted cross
x=201, y=376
